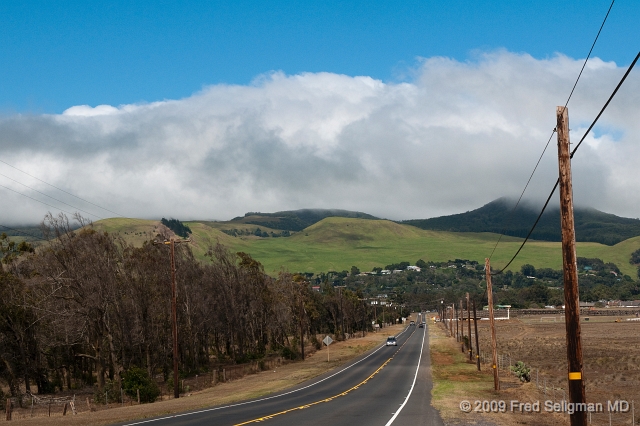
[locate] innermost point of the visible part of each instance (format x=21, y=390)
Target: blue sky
x=56, y=54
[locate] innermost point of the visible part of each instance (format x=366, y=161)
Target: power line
x=42, y=193
x=60, y=189
x=35, y=199
x=572, y=154
x=590, y=50
x=550, y=137
x=606, y=104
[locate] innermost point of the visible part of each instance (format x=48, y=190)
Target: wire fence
x=35, y=406
x=612, y=412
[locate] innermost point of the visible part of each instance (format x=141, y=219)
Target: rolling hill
x=338, y=239
x=591, y=225
x=296, y=220
x=336, y=243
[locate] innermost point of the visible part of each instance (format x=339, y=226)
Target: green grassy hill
x=296, y=220
x=338, y=243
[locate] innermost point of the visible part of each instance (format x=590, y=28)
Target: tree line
x=87, y=307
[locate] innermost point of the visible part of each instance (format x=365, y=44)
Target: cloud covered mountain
x=499, y=216
x=456, y=135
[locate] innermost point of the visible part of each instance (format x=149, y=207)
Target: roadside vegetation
x=90, y=309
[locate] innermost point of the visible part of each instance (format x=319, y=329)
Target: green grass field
x=339, y=243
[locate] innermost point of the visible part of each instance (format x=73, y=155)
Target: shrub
x=110, y=392
x=288, y=353
x=521, y=371
x=137, y=378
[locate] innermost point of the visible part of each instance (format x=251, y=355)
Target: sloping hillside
x=296, y=220
x=338, y=243
x=591, y=225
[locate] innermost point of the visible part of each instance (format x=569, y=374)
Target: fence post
x=8, y=409
x=31, y=406
x=64, y=409
x=224, y=375
x=88, y=404
x=138, y=394
x=49, y=407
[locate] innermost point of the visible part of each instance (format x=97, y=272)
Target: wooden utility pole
x=454, y=314
x=174, y=320
x=301, y=326
x=475, y=326
x=461, y=327
x=492, y=323
x=457, y=325
x=451, y=323
x=364, y=316
x=570, y=269
x=174, y=312
x=469, y=318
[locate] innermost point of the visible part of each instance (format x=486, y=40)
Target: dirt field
x=457, y=380
x=251, y=386
x=611, y=355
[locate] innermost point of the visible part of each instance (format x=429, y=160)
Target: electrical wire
x=584, y=64
x=49, y=196
x=35, y=199
x=60, y=189
x=571, y=156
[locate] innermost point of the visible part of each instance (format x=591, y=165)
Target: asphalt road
x=387, y=385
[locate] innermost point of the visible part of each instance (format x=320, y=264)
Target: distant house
x=385, y=272
x=397, y=271
x=316, y=288
x=413, y=268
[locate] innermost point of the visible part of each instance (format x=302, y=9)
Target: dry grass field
x=611, y=356
x=456, y=379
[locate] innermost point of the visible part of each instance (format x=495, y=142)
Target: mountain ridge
x=591, y=225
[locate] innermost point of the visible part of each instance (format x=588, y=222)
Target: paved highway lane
x=369, y=390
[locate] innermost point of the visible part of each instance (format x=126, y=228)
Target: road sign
x=327, y=341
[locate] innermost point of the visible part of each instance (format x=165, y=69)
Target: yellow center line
x=302, y=407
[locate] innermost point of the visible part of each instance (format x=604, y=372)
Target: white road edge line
x=269, y=397
x=412, y=384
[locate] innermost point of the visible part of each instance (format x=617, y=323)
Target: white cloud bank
x=458, y=136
